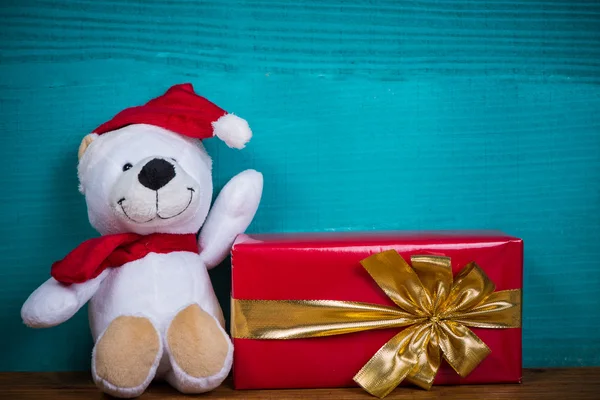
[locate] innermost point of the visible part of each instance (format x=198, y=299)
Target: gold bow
x=435, y=309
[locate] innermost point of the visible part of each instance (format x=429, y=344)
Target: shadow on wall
x=221, y=280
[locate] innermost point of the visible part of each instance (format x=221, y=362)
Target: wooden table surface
x=568, y=384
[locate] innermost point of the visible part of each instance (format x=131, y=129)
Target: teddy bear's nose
x=156, y=173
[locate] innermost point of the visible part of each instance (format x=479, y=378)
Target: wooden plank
x=386, y=38
x=580, y=383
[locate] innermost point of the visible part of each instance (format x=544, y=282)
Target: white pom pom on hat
x=182, y=111
x=233, y=130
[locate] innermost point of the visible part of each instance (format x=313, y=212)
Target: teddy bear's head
x=146, y=170
x=145, y=179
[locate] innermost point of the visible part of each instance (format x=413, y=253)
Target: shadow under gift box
x=327, y=267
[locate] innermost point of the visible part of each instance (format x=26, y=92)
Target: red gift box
x=327, y=267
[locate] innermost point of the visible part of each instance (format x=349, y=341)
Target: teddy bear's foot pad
x=196, y=343
x=126, y=355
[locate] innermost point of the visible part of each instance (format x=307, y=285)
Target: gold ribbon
x=434, y=309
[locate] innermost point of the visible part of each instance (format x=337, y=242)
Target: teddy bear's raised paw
x=243, y=192
x=230, y=215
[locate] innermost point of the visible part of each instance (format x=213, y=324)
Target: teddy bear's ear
x=85, y=143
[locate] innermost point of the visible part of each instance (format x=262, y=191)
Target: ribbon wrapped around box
x=431, y=314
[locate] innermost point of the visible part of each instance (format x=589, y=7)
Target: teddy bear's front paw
x=51, y=304
x=243, y=192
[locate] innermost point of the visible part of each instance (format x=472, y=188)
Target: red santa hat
x=182, y=111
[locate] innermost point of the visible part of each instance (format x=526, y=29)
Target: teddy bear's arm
x=231, y=214
x=53, y=303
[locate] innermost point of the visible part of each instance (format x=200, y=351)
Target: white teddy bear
x=147, y=183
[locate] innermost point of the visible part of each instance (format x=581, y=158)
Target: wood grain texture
x=580, y=383
x=327, y=37
x=367, y=115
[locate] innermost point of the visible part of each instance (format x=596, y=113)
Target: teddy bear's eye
x=127, y=166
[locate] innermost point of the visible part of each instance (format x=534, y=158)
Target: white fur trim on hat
x=233, y=130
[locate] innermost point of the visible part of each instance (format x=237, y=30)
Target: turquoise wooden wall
x=367, y=115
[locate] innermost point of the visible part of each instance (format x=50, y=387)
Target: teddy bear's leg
x=126, y=356
x=199, y=350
